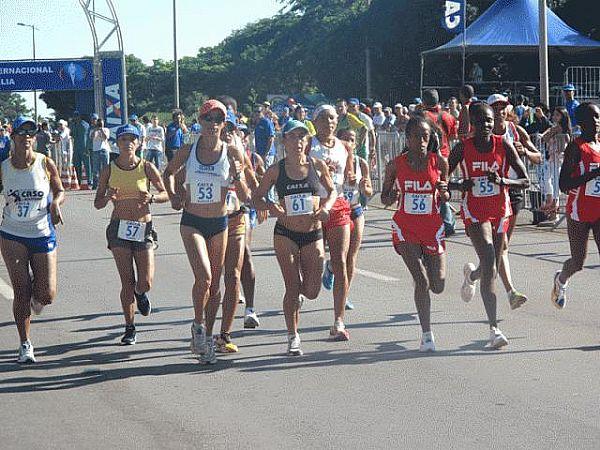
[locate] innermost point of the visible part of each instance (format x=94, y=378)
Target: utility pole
x=175, y=54
x=543, y=32
x=33, y=28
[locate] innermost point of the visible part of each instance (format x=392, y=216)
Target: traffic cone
x=85, y=186
x=65, y=178
x=74, y=182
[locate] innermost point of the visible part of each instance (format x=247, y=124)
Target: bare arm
x=567, y=180
x=172, y=169
x=442, y=184
x=237, y=171
x=389, y=193
x=103, y=193
x=513, y=159
x=365, y=186
x=529, y=150
x=155, y=179
x=58, y=192
x=327, y=183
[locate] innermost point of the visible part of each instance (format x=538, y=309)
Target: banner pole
x=464, y=44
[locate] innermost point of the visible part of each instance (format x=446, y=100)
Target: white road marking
x=5, y=290
x=375, y=275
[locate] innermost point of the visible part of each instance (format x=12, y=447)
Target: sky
x=147, y=27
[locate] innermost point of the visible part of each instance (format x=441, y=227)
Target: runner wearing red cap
x=484, y=160
x=208, y=166
x=580, y=177
x=417, y=181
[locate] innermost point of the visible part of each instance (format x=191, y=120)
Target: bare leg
x=234, y=257
x=339, y=242
x=144, y=264
x=43, y=266
x=579, y=233
x=355, y=241
x=436, y=271
x=504, y=266
x=287, y=257
x=124, y=260
x=216, y=246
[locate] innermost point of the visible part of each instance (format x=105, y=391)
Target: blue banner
x=454, y=16
x=112, y=77
x=47, y=75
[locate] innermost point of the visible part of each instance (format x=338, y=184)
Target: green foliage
x=12, y=105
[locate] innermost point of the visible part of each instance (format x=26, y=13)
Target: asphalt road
x=375, y=391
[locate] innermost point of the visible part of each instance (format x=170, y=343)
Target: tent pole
x=422, y=71
x=543, y=32
x=464, y=43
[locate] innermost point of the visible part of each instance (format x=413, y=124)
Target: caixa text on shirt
x=23, y=195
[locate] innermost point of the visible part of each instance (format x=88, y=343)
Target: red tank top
x=486, y=200
x=583, y=203
x=419, y=200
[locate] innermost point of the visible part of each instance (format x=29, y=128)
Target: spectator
x=378, y=116
x=156, y=142
x=300, y=114
x=4, y=143
x=44, y=139
x=79, y=133
x=540, y=121
x=466, y=96
x=100, y=150
x=390, y=120
x=133, y=120
x=90, y=138
x=285, y=117
x=454, y=107
x=65, y=147
x=402, y=117
x=520, y=106
x=264, y=137
x=175, y=132
x=476, y=73
x=571, y=103
x=367, y=150
x=527, y=116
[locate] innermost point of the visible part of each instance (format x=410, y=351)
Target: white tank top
x=352, y=193
x=205, y=181
x=28, y=197
x=512, y=135
x=337, y=155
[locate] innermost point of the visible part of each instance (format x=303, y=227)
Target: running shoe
x=129, y=336
x=26, y=355
x=516, y=299
x=559, y=292
x=294, y=345
x=209, y=356
x=143, y=303
x=198, y=344
x=223, y=344
x=427, y=342
x=349, y=305
x=338, y=331
x=327, y=276
x=467, y=292
x=251, y=319
x=497, y=339
x=36, y=307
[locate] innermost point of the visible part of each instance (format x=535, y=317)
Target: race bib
x=24, y=210
x=484, y=187
x=205, y=191
x=351, y=194
x=418, y=203
x=130, y=230
x=299, y=204
x=592, y=188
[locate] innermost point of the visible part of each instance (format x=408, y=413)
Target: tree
x=12, y=105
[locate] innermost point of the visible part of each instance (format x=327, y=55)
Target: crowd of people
x=226, y=186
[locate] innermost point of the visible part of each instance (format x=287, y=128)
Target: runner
x=234, y=254
x=298, y=239
x=33, y=195
x=358, y=182
x=580, y=177
x=204, y=219
x=484, y=159
x=130, y=234
x=329, y=149
x=517, y=136
x=417, y=181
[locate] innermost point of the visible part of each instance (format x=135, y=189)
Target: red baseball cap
x=211, y=105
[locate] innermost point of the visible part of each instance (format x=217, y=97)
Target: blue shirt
x=196, y=128
x=4, y=147
x=264, y=130
x=174, y=137
x=571, y=106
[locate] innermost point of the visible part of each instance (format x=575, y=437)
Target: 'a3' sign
x=454, y=13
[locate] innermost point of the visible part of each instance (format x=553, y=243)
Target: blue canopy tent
x=511, y=26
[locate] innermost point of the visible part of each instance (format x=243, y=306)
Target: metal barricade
x=586, y=80
x=389, y=144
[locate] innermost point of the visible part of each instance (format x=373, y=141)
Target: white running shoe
x=36, y=307
x=209, y=356
x=26, y=353
x=427, y=342
x=198, y=344
x=294, y=345
x=251, y=319
x=559, y=292
x=467, y=292
x=497, y=339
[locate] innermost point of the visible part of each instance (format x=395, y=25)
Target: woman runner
x=417, y=181
x=357, y=183
x=33, y=195
x=580, y=177
x=130, y=234
x=330, y=150
x=208, y=168
x=485, y=159
x=298, y=240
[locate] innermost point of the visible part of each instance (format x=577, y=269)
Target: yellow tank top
x=129, y=182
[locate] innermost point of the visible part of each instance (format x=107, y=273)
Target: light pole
x=33, y=28
x=175, y=54
x=543, y=36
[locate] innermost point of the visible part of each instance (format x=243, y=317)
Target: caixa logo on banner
x=112, y=74
x=454, y=12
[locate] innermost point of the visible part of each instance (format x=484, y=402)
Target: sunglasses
x=29, y=133
x=213, y=119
